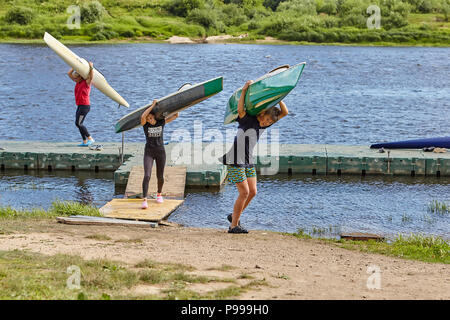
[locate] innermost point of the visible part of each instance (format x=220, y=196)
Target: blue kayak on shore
x=443, y=142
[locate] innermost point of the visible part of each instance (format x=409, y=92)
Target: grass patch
x=413, y=247
x=58, y=208
x=223, y=267
x=129, y=241
x=100, y=237
x=33, y=276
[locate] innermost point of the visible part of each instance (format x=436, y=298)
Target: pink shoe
x=144, y=204
x=159, y=199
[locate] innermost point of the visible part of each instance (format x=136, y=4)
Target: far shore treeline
x=408, y=22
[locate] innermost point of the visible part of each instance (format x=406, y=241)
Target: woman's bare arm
x=90, y=74
x=284, y=110
x=70, y=75
x=146, y=112
x=172, y=117
x=241, y=104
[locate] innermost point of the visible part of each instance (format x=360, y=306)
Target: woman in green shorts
x=239, y=160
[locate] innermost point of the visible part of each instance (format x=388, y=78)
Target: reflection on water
x=325, y=205
x=40, y=189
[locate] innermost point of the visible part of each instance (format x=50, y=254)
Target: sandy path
x=293, y=268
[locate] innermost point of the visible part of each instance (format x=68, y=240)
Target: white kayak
x=81, y=66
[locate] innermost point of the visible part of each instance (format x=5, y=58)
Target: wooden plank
x=131, y=209
x=174, y=182
x=85, y=220
x=361, y=236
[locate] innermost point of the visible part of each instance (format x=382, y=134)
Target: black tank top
x=154, y=134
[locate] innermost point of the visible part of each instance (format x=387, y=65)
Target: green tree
x=91, y=12
x=20, y=15
x=182, y=8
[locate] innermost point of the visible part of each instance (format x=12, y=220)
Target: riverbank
x=156, y=21
x=226, y=39
x=167, y=263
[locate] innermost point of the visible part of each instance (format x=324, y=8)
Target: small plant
x=406, y=218
x=440, y=208
x=301, y=234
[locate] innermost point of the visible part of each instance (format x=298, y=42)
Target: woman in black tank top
x=154, y=151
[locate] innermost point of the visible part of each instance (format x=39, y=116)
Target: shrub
x=276, y=25
x=127, y=33
x=328, y=7
x=20, y=15
x=330, y=22
x=91, y=12
x=300, y=7
x=206, y=18
x=233, y=15
x=272, y=4
x=182, y=8
x=104, y=35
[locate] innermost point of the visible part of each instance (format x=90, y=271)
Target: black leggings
x=82, y=111
x=150, y=155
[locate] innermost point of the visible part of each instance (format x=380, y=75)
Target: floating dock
x=203, y=170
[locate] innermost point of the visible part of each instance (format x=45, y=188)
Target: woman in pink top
x=82, y=91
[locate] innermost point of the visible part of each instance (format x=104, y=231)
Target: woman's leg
x=148, y=165
x=160, y=164
x=80, y=115
x=252, y=190
x=240, y=202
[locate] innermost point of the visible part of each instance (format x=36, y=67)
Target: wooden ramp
x=131, y=209
x=100, y=221
x=174, y=182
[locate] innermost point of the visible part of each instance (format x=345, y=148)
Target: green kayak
x=187, y=96
x=265, y=92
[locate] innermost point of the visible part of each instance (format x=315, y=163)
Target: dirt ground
x=292, y=268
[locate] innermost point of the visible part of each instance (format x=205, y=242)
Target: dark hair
x=274, y=113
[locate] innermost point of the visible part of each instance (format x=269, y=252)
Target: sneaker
x=83, y=144
x=89, y=142
x=144, y=204
x=159, y=199
x=237, y=229
x=230, y=219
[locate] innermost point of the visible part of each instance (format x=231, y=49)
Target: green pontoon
x=265, y=92
x=187, y=96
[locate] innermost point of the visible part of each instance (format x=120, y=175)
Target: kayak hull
x=442, y=142
x=184, y=98
x=81, y=66
x=265, y=92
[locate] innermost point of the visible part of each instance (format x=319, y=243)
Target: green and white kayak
x=265, y=92
x=187, y=96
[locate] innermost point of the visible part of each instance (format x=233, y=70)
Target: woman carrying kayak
x=154, y=151
x=82, y=92
x=239, y=160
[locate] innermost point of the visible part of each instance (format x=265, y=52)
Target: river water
x=347, y=95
